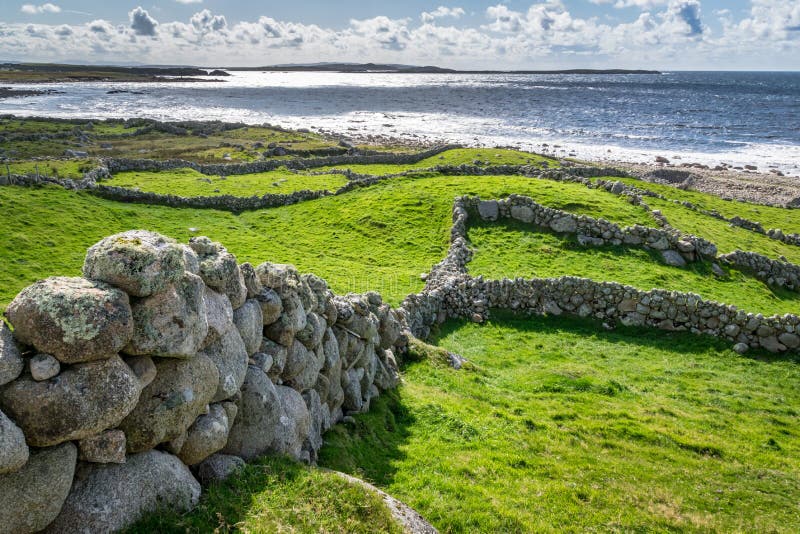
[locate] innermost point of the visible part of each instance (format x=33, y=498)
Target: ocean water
x=706, y=117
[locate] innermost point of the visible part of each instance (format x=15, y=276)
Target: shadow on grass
x=663, y=340
x=370, y=447
x=277, y=495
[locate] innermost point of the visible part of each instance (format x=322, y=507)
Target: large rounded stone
x=251, y=280
x=139, y=262
x=257, y=422
x=218, y=467
x=207, y=435
x=230, y=358
x=11, y=364
x=110, y=497
x=311, y=335
x=271, y=305
x=172, y=323
x=219, y=270
x=13, y=449
x=278, y=276
x=249, y=322
x=294, y=423
x=33, y=496
x=170, y=404
x=308, y=376
x=219, y=314
x=81, y=401
x=73, y=319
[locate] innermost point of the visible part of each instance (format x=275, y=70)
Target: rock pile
x=451, y=292
x=167, y=364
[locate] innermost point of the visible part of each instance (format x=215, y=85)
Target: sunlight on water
x=737, y=118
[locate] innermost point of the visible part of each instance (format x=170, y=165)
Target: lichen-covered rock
x=294, y=423
x=351, y=384
x=11, y=363
x=219, y=313
x=170, y=404
x=105, y=448
x=271, y=305
x=673, y=258
x=43, y=367
x=256, y=424
x=144, y=368
x=278, y=276
x=110, y=497
x=249, y=322
x=319, y=421
x=230, y=358
x=219, y=270
x=307, y=377
x=73, y=319
x=251, y=280
x=190, y=259
x=81, y=401
x=279, y=354
x=13, y=449
x=292, y=320
x=33, y=496
x=297, y=358
x=564, y=225
x=172, y=323
x=311, y=334
x=138, y=262
x=218, y=467
x=207, y=435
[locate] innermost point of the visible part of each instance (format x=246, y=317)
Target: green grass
x=378, y=238
x=59, y=168
x=457, y=156
x=728, y=238
x=514, y=249
x=769, y=216
x=277, y=495
x=567, y=428
x=188, y=182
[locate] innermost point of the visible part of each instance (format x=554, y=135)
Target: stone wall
x=167, y=366
x=451, y=292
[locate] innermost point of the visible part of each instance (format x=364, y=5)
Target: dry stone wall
x=168, y=365
x=451, y=292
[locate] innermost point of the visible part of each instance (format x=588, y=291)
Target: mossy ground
x=278, y=495
x=557, y=424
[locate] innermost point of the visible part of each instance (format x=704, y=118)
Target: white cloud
x=142, y=23
x=442, y=12
x=641, y=4
x=31, y=9
x=545, y=35
x=189, y=1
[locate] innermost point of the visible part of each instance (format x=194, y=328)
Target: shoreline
x=746, y=185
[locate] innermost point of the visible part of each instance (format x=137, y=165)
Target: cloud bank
x=663, y=34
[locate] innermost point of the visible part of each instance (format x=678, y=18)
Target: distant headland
x=11, y=72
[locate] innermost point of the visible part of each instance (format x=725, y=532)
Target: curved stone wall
x=168, y=365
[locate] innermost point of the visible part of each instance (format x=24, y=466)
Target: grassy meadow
x=557, y=425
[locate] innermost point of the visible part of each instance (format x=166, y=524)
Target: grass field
x=557, y=426
x=188, y=182
x=379, y=238
x=513, y=249
x=567, y=428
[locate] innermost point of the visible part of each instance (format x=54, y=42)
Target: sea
x=737, y=118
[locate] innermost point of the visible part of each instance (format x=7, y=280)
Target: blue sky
x=662, y=34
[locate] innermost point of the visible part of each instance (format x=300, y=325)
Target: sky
x=466, y=34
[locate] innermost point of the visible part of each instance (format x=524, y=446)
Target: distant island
x=11, y=72
x=414, y=69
